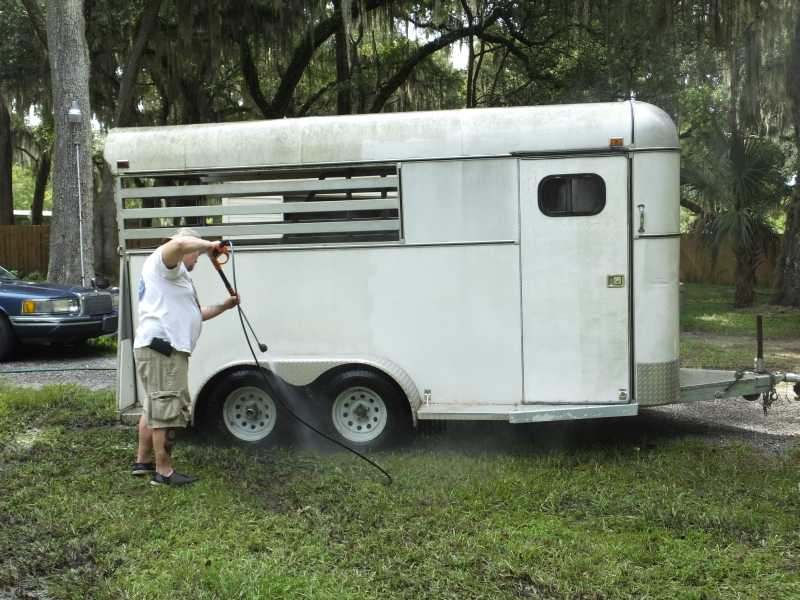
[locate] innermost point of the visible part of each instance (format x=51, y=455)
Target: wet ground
x=718, y=421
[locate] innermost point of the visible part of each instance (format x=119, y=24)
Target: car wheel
x=366, y=409
x=8, y=341
x=245, y=410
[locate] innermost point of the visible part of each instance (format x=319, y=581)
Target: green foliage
x=739, y=182
x=483, y=511
x=24, y=182
x=708, y=309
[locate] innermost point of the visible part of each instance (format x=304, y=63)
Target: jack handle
x=216, y=256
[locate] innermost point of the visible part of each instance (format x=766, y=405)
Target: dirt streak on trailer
x=515, y=264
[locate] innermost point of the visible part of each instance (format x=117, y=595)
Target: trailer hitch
x=769, y=396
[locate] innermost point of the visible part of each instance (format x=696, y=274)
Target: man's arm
x=209, y=312
x=174, y=250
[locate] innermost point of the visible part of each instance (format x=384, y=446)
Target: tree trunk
x=788, y=280
x=126, y=109
x=344, y=105
x=6, y=191
x=106, y=259
x=105, y=227
x=42, y=176
x=746, y=263
x=71, y=232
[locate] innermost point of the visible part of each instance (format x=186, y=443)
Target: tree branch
x=37, y=21
x=311, y=40
x=317, y=95
x=391, y=86
x=123, y=116
x=689, y=205
x=250, y=73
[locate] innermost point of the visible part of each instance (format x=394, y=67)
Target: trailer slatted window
x=580, y=195
x=331, y=205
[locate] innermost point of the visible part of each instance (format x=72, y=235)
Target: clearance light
x=28, y=307
x=616, y=142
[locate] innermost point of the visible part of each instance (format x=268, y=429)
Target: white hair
x=185, y=232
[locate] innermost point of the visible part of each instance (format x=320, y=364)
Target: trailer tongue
x=706, y=384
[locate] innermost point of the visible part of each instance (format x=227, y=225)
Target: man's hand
x=230, y=302
x=216, y=248
x=209, y=312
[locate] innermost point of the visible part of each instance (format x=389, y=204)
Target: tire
x=244, y=410
x=365, y=410
x=8, y=341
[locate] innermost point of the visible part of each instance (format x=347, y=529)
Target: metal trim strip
x=269, y=229
x=368, y=183
x=285, y=167
x=263, y=208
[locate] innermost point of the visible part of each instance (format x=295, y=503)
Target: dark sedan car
x=41, y=312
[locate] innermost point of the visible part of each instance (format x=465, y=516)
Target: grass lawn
x=574, y=510
x=551, y=511
x=717, y=335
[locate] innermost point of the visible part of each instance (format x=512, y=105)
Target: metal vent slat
x=335, y=205
x=264, y=187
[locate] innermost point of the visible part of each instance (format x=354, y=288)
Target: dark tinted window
x=572, y=195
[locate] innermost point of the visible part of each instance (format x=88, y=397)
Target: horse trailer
x=516, y=264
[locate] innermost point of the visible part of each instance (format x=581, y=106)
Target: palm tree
x=739, y=183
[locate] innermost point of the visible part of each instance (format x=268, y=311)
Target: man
x=170, y=320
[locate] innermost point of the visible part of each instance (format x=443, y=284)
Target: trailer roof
x=389, y=137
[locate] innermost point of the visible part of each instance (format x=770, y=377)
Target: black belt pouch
x=161, y=346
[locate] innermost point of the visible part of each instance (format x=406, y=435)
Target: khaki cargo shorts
x=165, y=382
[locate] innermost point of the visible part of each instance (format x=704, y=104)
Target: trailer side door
x=575, y=280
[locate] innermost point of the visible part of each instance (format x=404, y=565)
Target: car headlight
x=115, y=298
x=70, y=306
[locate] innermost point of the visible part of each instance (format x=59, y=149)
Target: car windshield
x=6, y=275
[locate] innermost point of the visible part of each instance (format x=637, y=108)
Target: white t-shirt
x=168, y=306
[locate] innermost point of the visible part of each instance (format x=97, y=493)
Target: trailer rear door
x=575, y=280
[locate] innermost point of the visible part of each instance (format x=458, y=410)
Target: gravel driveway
x=735, y=419
x=718, y=421
x=80, y=357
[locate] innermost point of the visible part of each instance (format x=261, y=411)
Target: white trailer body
x=514, y=263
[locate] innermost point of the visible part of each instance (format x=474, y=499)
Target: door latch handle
x=641, y=218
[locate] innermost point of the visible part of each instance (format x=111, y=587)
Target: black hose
x=242, y=319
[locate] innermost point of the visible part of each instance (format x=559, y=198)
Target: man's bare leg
x=163, y=459
x=169, y=443
x=145, y=449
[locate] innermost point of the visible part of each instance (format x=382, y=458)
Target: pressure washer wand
x=217, y=262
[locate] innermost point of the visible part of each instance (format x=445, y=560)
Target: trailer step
x=528, y=413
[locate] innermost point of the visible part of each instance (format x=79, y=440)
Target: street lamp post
x=74, y=116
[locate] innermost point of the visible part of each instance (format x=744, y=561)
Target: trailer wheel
x=367, y=410
x=245, y=410
x=8, y=341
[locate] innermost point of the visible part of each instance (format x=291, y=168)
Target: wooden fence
x=25, y=248
x=699, y=266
